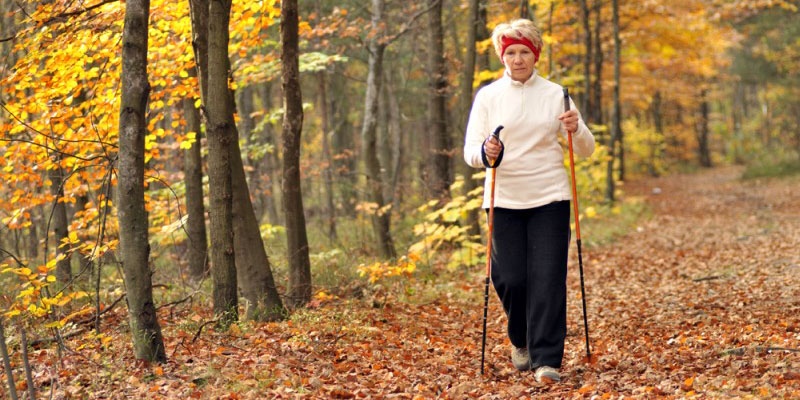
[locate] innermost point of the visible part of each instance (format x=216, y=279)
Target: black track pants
x=529, y=273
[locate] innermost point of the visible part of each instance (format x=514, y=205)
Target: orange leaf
x=687, y=384
x=586, y=389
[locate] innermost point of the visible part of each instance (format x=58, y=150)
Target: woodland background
x=309, y=154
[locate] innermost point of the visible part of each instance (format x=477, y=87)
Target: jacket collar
x=527, y=83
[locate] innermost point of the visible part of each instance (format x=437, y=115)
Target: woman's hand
x=569, y=120
x=492, y=147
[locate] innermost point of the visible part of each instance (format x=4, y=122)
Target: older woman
x=532, y=195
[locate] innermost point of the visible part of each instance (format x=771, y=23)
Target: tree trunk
x=12, y=386
x=195, y=209
x=60, y=223
x=326, y=152
x=269, y=165
x=550, y=60
x=250, y=269
x=619, y=134
x=587, y=59
x=396, y=136
x=386, y=143
x=148, y=343
x=85, y=262
x=253, y=267
x=343, y=144
x=658, y=122
x=440, y=177
x=476, y=32
x=221, y=135
x=32, y=238
x=299, y=263
x=524, y=9
x=596, y=104
x=245, y=108
x=737, y=115
x=704, y=152
x=381, y=221
x=615, y=116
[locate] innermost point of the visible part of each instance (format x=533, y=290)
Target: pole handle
x=496, y=132
x=494, y=163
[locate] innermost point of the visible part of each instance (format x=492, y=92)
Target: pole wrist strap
x=485, y=159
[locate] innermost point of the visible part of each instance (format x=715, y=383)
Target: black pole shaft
x=583, y=299
x=490, y=223
x=485, y=316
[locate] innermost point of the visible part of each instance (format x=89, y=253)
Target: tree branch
x=75, y=13
x=61, y=16
x=10, y=254
x=406, y=26
x=53, y=138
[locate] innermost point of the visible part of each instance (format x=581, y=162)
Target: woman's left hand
x=569, y=120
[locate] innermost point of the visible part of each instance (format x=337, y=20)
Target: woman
x=532, y=195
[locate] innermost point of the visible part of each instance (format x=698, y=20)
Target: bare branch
x=8, y=253
x=405, y=27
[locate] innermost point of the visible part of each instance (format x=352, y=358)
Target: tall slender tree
x=148, y=343
x=587, y=57
x=524, y=9
x=327, y=173
x=221, y=133
x=703, y=150
x=345, y=164
x=59, y=222
x=251, y=270
x=376, y=47
x=616, y=118
x=269, y=164
x=595, y=110
x=441, y=147
x=193, y=178
x=476, y=32
x=253, y=267
x=299, y=263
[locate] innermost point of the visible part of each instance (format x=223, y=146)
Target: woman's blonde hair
x=516, y=29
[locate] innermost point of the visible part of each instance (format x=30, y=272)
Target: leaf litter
x=699, y=301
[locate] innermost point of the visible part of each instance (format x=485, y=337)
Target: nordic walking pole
x=493, y=165
x=577, y=227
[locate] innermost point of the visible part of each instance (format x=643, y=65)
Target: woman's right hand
x=492, y=147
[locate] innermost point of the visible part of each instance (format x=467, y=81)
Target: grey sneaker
x=547, y=374
x=520, y=358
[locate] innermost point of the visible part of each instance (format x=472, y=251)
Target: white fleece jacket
x=532, y=172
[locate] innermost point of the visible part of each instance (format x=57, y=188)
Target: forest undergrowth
x=699, y=300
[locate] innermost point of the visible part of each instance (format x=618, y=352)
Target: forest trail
x=702, y=299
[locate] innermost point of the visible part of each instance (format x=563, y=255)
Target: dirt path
x=704, y=294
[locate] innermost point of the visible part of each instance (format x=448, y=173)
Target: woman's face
x=519, y=60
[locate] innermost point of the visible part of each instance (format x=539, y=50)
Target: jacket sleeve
x=582, y=139
x=477, y=132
